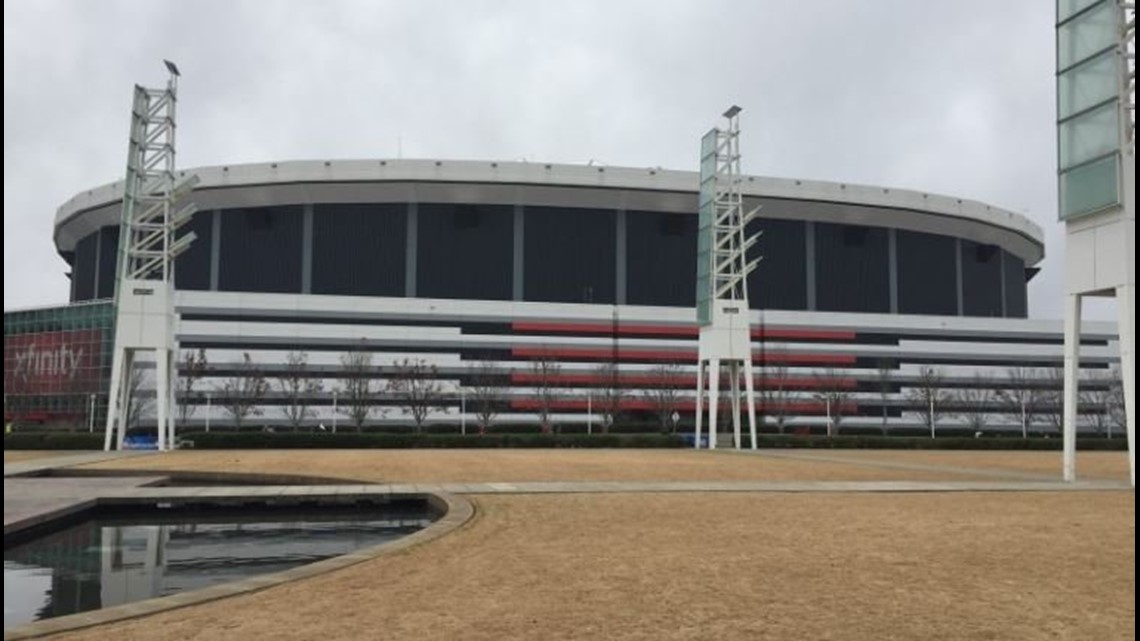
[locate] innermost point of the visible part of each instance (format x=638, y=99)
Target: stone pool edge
x=456, y=511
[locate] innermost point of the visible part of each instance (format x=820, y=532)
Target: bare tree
x=833, y=392
x=1022, y=398
x=611, y=393
x=358, y=390
x=1116, y=411
x=662, y=393
x=885, y=383
x=194, y=366
x=975, y=403
x=487, y=393
x=1053, y=398
x=298, y=387
x=244, y=392
x=930, y=396
x=138, y=402
x=415, y=385
x=775, y=395
x=545, y=371
x=1096, y=401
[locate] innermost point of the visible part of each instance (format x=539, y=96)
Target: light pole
x=463, y=411
x=1024, y=420
x=91, y=415
x=334, y=412
x=209, y=399
x=830, y=423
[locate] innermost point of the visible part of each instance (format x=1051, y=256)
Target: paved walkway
x=37, y=465
x=29, y=501
x=822, y=457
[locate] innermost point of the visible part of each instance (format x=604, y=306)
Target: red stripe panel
x=759, y=333
x=791, y=333
x=638, y=404
x=629, y=354
x=682, y=382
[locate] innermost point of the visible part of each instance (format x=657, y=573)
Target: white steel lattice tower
x=148, y=245
x=722, y=273
x=1096, y=111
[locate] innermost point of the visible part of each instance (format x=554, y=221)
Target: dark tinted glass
x=108, y=261
x=192, y=268
x=83, y=272
x=927, y=274
x=981, y=279
x=661, y=250
x=569, y=255
x=261, y=250
x=780, y=280
x=465, y=251
x=851, y=268
x=1016, y=300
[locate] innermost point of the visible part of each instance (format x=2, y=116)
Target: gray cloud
x=953, y=98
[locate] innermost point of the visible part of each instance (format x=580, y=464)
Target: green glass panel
x=1088, y=136
x=704, y=316
x=1089, y=83
x=1089, y=188
x=708, y=142
x=1066, y=8
x=1088, y=33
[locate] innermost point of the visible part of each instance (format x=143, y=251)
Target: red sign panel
x=53, y=362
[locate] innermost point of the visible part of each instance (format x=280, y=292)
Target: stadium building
x=569, y=289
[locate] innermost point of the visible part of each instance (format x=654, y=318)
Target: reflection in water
x=105, y=562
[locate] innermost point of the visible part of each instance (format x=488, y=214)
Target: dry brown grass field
x=684, y=566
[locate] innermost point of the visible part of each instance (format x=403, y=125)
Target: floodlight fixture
x=732, y=111
x=171, y=67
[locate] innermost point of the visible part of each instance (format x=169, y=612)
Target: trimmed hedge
x=300, y=440
x=925, y=443
x=53, y=441
x=251, y=440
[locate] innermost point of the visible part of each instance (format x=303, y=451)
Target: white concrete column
x=700, y=396
x=114, y=401
x=734, y=391
x=749, y=389
x=714, y=396
x=1126, y=304
x=1072, y=372
x=162, y=382
x=172, y=373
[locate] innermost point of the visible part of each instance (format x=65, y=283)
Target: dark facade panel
x=661, y=258
x=83, y=273
x=927, y=274
x=981, y=279
x=359, y=249
x=464, y=251
x=108, y=261
x=851, y=268
x=569, y=255
x=780, y=280
x=1016, y=297
x=192, y=268
x=261, y=250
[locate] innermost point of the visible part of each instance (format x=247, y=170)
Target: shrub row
x=291, y=440
x=53, y=441
x=218, y=440
x=941, y=443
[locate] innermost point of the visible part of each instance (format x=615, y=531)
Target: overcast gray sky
x=946, y=97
